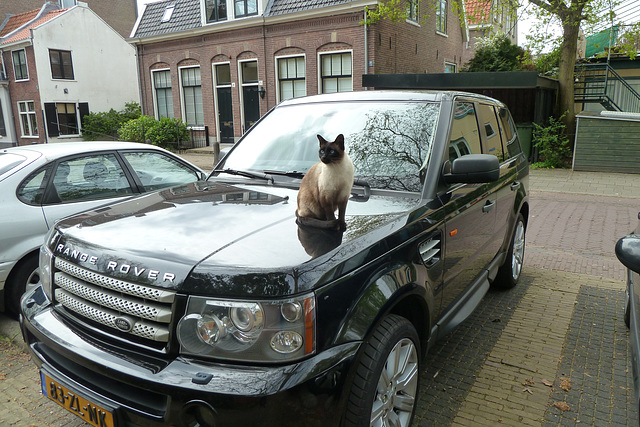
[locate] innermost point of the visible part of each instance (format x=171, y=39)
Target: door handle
x=488, y=206
x=515, y=186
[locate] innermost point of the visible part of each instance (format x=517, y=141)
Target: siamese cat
x=326, y=187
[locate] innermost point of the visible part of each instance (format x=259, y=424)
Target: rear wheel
x=509, y=272
x=387, y=374
x=25, y=278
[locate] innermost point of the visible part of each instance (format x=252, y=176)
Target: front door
x=225, y=114
x=251, y=106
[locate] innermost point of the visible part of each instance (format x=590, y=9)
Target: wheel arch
x=11, y=276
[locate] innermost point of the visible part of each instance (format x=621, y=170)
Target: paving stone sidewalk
x=552, y=351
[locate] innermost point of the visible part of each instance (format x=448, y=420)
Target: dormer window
x=216, y=10
x=168, y=11
x=246, y=7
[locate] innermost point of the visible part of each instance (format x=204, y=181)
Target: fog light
x=198, y=413
x=286, y=342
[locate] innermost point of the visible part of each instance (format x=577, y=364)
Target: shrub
x=136, y=130
x=553, y=144
x=105, y=125
x=166, y=132
x=495, y=53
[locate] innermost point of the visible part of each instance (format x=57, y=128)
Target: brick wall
x=24, y=91
x=393, y=48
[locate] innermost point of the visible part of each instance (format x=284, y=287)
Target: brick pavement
x=561, y=326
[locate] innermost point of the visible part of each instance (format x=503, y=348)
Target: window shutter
x=83, y=109
x=51, y=117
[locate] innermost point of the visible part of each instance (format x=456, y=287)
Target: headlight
x=256, y=331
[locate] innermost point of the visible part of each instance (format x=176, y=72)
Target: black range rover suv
x=206, y=304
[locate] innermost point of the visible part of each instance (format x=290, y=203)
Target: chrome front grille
x=145, y=311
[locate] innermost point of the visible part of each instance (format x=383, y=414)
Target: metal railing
x=599, y=83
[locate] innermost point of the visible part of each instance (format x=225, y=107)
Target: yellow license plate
x=93, y=414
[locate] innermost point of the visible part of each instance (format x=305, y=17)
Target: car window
x=9, y=161
x=493, y=141
x=464, y=137
x=31, y=190
x=510, y=133
x=157, y=170
x=91, y=177
x=389, y=143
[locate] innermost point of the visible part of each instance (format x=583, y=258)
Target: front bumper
x=147, y=390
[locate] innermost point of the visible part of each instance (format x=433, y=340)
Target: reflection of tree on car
x=392, y=149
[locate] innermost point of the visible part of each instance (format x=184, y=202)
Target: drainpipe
x=366, y=44
x=138, y=65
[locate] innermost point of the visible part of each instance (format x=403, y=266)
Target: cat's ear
x=323, y=141
x=340, y=141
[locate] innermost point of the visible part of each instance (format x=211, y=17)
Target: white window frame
x=451, y=65
x=28, y=114
x=439, y=14
x=277, y=67
x=26, y=63
x=183, y=109
x=155, y=95
x=333, y=52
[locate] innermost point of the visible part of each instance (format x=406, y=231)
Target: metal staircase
x=599, y=83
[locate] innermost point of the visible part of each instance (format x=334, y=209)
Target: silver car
x=40, y=184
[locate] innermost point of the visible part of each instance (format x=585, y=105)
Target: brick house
x=60, y=64
x=485, y=17
x=224, y=64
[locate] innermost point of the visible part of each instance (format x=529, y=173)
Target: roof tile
x=24, y=33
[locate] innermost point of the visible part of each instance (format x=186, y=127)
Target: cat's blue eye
x=332, y=152
x=321, y=151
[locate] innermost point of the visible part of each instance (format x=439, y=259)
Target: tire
x=24, y=278
x=509, y=273
x=387, y=376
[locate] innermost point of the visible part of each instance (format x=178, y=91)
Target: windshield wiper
x=246, y=174
x=291, y=174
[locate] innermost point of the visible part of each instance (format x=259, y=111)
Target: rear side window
x=31, y=190
x=493, y=140
x=510, y=133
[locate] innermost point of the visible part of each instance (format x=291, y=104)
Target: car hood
x=213, y=238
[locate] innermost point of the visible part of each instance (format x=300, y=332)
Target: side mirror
x=472, y=169
x=628, y=252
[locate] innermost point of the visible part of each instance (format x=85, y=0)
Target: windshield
x=9, y=161
x=388, y=142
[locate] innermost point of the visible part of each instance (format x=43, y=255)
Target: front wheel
x=509, y=272
x=385, y=386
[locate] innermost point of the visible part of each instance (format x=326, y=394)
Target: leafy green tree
x=495, y=53
x=570, y=15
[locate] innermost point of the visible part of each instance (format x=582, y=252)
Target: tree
x=495, y=53
x=571, y=14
